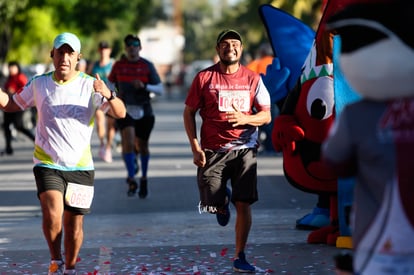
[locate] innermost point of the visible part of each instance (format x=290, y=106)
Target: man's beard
x=229, y=62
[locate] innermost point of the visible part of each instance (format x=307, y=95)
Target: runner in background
x=14, y=84
x=105, y=125
x=136, y=78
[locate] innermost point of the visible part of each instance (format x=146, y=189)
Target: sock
x=144, y=165
x=59, y=262
x=70, y=272
x=129, y=160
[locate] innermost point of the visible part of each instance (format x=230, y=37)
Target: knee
x=242, y=207
x=52, y=221
x=73, y=223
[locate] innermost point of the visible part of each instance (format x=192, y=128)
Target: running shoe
x=9, y=150
x=133, y=186
x=241, y=265
x=56, y=268
x=105, y=154
x=143, y=188
x=108, y=155
x=317, y=219
x=223, y=215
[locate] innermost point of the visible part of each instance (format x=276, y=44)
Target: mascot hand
x=275, y=80
x=285, y=133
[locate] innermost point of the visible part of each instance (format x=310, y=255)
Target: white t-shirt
x=65, y=123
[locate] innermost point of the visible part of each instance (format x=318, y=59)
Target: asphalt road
x=164, y=233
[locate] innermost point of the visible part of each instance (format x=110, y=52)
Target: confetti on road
x=178, y=260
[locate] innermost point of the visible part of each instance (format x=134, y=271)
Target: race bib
x=135, y=111
x=241, y=99
x=78, y=195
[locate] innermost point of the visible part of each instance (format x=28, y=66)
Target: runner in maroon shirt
x=233, y=102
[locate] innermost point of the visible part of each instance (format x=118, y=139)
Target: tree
x=245, y=18
x=28, y=27
x=31, y=27
x=198, y=21
x=8, y=10
x=204, y=20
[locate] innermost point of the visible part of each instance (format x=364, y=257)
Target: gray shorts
x=76, y=186
x=238, y=166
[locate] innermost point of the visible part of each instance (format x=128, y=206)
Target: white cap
x=67, y=38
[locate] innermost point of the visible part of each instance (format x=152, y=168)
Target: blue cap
x=67, y=38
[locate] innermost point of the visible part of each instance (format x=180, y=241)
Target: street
x=164, y=233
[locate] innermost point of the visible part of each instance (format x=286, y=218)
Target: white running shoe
x=105, y=154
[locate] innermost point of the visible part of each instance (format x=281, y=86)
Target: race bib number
x=78, y=195
x=241, y=99
x=135, y=111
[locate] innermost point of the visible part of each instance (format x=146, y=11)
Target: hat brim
x=229, y=34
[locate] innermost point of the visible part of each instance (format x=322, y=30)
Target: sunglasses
x=133, y=43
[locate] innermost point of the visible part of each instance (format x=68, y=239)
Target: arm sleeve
x=262, y=102
x=157, y=88
x=25, y=98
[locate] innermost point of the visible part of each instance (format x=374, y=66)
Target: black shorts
x=143, y=127
x=76, y=186
x=238, y=166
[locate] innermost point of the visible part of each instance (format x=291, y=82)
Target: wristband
x=113, y=95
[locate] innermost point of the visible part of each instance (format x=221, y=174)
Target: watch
x=113, y=95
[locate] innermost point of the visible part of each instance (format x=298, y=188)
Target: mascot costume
x=303, y=124
x=373, y=138
x=309, y=110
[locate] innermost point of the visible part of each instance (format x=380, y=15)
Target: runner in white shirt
x=66, y=100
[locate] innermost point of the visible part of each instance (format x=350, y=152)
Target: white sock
x=59, y=262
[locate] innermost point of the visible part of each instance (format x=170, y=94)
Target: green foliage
x=8, y=9
x=94, y=15
x=308, y=11
x=29, y=26
x=33, y=28
x=200, y=33
x=198, y=21
x=32, y=43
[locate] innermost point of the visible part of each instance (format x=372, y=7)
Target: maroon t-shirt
x=213, y=93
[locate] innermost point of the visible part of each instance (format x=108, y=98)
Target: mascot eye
x=320, y=100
